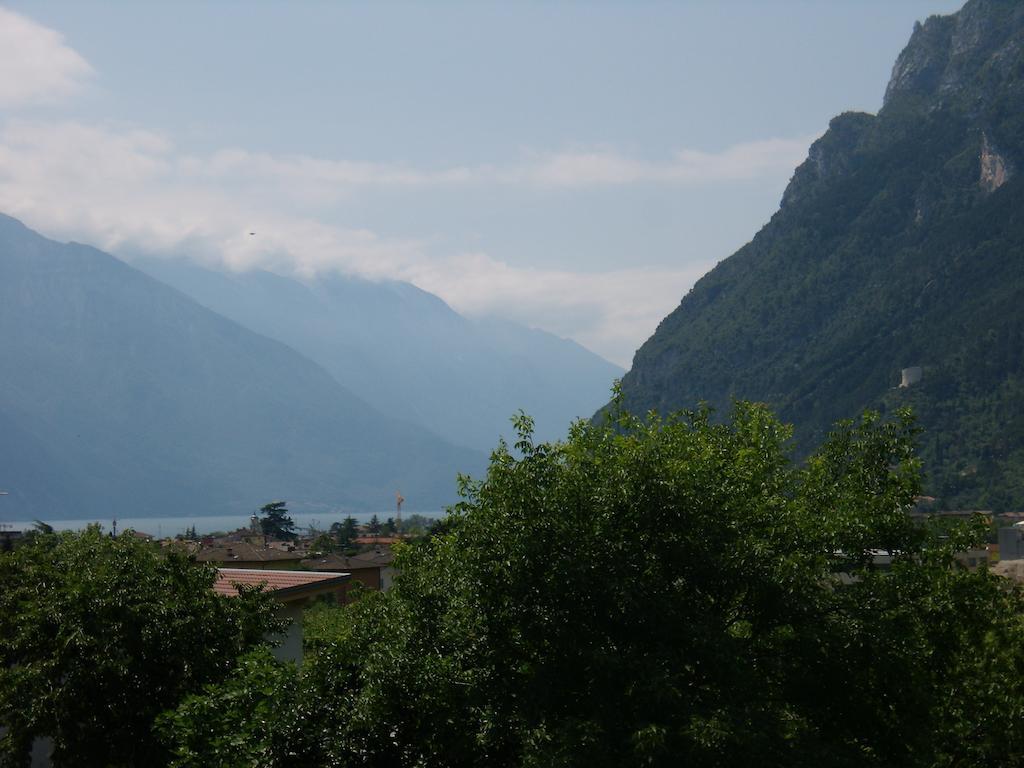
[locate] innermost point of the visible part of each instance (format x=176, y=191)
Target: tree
x=345, y=532
x=673, y=592
x=416, y=524
x=236, y=723
x=99, y=634
x=275, y=521
x=389, y=528
x=374, y=525
x=322, y=543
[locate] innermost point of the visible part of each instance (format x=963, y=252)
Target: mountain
x=899, y=244
x=119, y=394
x=407, y=353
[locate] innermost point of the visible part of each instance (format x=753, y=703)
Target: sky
x=573, y=166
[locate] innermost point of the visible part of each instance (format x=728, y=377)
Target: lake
x=171, y=526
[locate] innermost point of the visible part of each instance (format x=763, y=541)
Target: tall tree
x=275, y=521
x=345, y=531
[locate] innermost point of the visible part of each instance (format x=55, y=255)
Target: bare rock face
x=830, y=157
x=922, y=64
x=996, y=169
x=949, y=55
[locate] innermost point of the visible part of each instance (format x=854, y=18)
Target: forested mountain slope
x=899, y=243
x=120, y=395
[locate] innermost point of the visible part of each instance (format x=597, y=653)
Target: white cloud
x=312, y=178
x=128, y=190
x=610, y=312
x=38, y=66
x=238, y=163
x=736, y=163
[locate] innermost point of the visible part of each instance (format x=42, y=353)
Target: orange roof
x=377, y=539
x=282, y=584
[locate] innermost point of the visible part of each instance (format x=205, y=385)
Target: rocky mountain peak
x=978, y=49
x=830, y=157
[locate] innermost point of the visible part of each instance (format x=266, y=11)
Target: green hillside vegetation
x=899, y=243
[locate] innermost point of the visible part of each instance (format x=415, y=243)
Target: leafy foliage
x=237, y=722
x=667, y=592
x=99, y=634
x=344, y=532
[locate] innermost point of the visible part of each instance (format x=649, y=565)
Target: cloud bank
x=37, y=66
x=572, y=169
x=134, y=191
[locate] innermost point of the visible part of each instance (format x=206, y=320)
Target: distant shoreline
x=172, y=526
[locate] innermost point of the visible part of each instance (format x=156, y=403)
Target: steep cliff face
x=832, y=156
x=899, y=243
x=974, y=53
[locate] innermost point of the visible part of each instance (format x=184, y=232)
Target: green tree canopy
x=345, y=531
x=99, y=634
x=674, y=592
x=276, y=521
x=247, y=720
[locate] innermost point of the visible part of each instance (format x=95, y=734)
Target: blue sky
x=572, y=166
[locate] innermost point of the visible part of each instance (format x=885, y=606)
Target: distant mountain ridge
x=120, y=395
x=407, y=353
x=899, y=243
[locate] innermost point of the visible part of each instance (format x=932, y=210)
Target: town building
x=373, y=569
x=242, y=554
x=293, y=590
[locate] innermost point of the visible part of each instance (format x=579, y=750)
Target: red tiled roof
x=278, y=582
